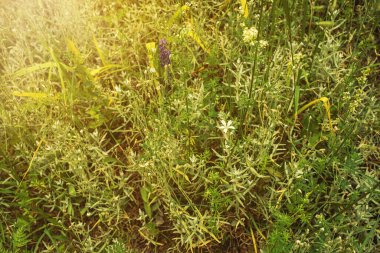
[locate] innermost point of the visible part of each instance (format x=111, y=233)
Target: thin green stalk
x=252, y=85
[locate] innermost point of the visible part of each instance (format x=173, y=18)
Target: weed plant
x=189, y=126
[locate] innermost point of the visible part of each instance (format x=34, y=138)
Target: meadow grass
x=189, y=126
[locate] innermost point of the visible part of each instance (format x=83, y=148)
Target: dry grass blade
x=253, y=239
x=32, y=160
x=326, y=104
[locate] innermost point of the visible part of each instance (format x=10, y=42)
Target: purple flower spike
x=164, y=53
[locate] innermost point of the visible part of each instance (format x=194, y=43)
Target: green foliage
x=261, y=135
x=117, y=247
x=3, y=250
x=19, y=235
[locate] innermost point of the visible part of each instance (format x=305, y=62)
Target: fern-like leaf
x=19, y=235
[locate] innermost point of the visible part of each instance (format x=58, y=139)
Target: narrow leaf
x=61, y=74
x=192, y=34
x=296, y=98
x=253, y=239
x=75, y=51
x=326, y=104
x=34, y=68
x=325, y=23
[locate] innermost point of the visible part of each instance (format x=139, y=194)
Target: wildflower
x=363, y=78
x=226, y=126
x=152, y=70
x=250, y=35
x=118, y=89
x=263, y=43
x=297, y=58
x=354, y=101
x=164, y=53
x=193, y=159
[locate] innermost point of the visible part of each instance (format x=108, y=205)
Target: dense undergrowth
x=178, y=126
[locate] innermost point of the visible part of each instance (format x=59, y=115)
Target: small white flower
x=117, y=88
x=152, y=70
x=225, y=126
x=193, y=159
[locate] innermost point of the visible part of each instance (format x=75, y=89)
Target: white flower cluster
x=250, y=35
x=263, y=43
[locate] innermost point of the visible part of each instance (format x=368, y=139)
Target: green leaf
x=145, y=194
x=19, y=235
x=34, y=68
x=296, y=98
x=326, y=23
x=148, y=209
x=72, y=191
